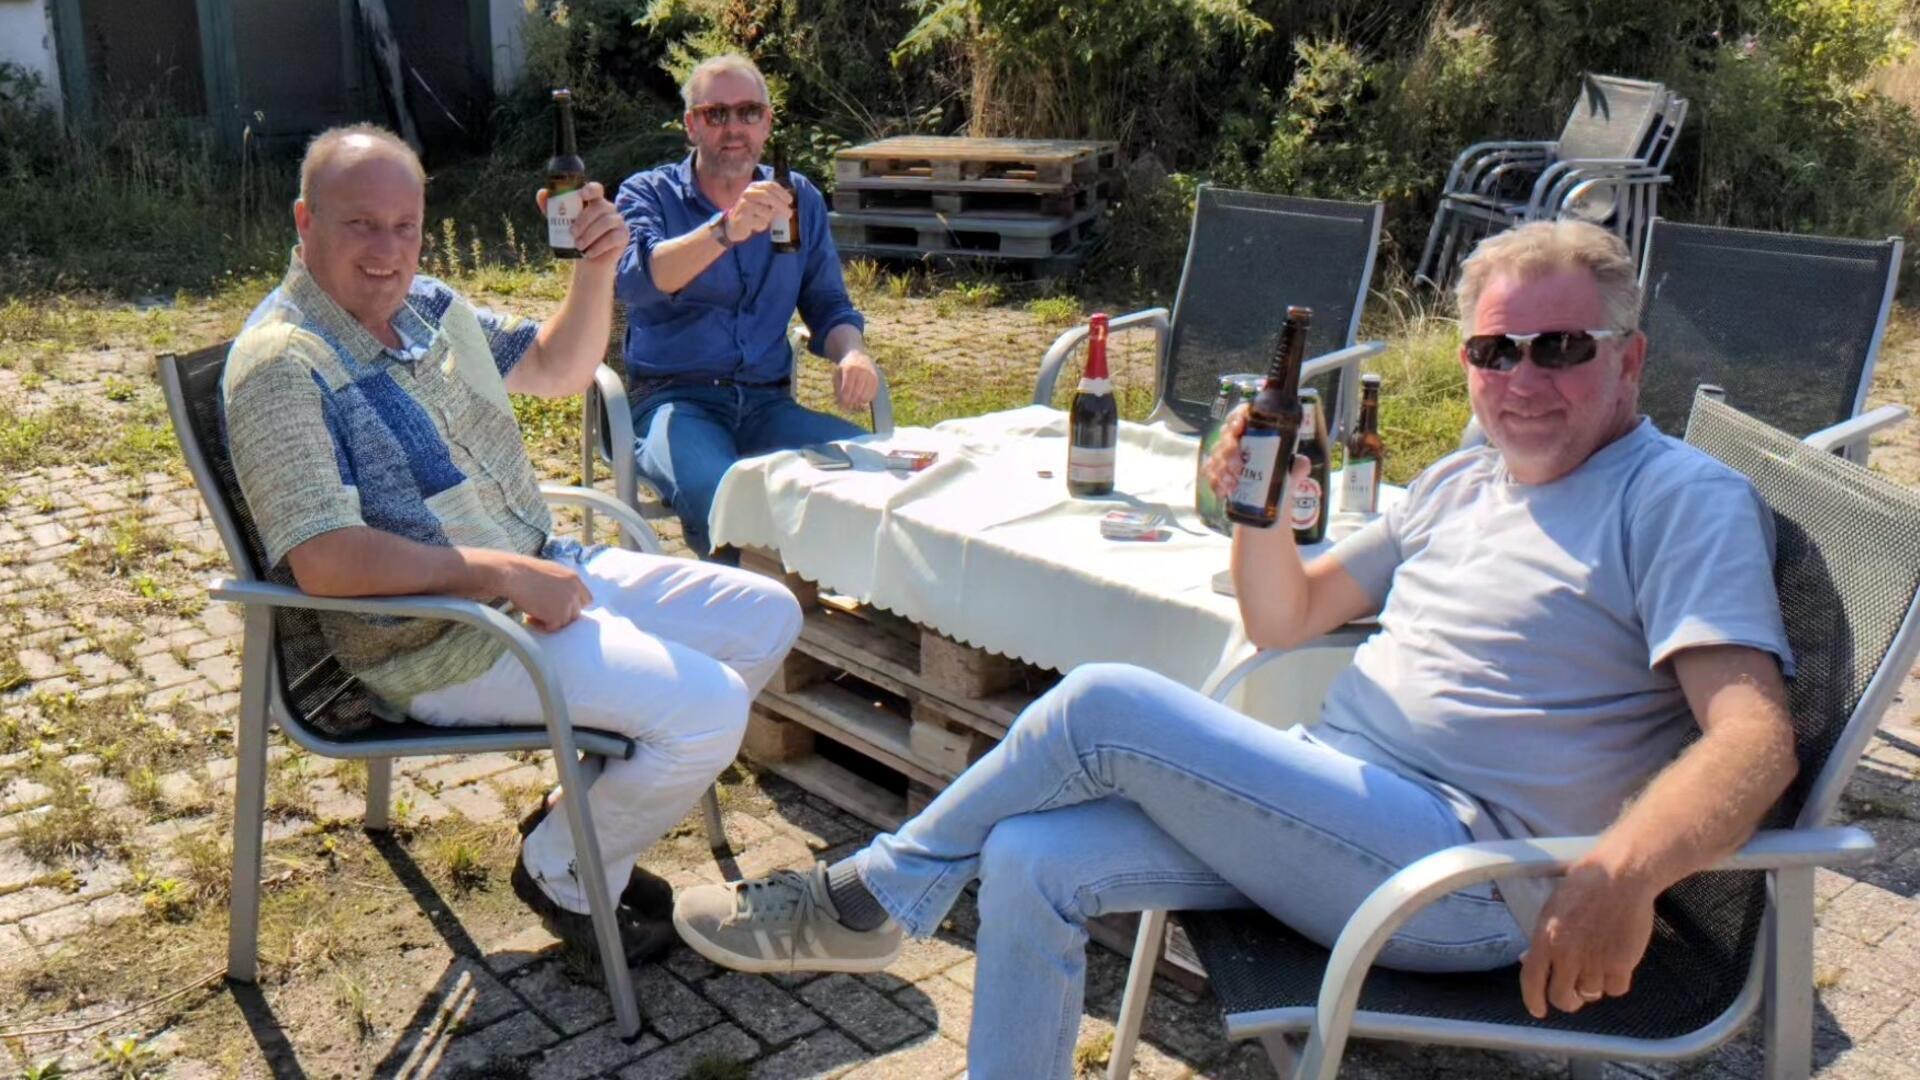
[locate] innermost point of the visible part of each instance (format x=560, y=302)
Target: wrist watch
x=717, y=227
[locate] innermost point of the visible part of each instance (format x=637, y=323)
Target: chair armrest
x=1555, y=184
x=1404, y=894
x=632, y=525
x=1347, y=362
x=881, y=408
x=1849, y=434
x=1475, y=159
x=1156, y=318
x=1346, y=637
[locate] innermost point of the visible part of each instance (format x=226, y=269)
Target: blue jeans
x=1121, y=790
x=687, y=436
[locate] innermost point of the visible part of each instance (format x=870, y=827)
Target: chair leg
x=249, y=796
x=1133, y=1006
x=1282, y=1052
x=593, y=880
x=716, y=829
x=1788, y=1006
x=379, y=793
x=1427, y=271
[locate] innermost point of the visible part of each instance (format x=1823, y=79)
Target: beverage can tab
x=911, y=460
x=1132, y=525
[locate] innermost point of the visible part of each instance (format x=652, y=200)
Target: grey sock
x=857, y=907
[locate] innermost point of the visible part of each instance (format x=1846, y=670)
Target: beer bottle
x=1273, y=423
x=785, y=232
x=566, y=176
x=1093, y=421
x=1360, y=476
x=1307, y=511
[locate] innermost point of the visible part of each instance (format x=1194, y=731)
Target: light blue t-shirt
x=1525, y=628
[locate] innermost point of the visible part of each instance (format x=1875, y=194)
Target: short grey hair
x=330, y=143
x=715, y=65
x=1542, y=247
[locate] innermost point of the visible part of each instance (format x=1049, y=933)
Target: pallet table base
x=876, y=715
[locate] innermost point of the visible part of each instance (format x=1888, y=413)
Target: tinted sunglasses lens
x=1564, y=349
x=1495, y=352
x=750, y=114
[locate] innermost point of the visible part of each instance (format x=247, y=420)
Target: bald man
x=369, y=424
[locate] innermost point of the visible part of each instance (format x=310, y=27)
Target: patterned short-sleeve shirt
x=329, y=429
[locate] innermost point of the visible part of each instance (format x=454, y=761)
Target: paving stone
x=1897, y=958
x=822, y=1054
x=761, y=1007
x=568, y=1006
x=56, y=925
x=930, y=1058
x=15, y=949
x=724, y=1043
x=592, y=1053
x=518, y=948
x=941, y=1002
x=690, y=965
x=108, y=910
x=475, y=802
x=669, y=1006
x=862, y=1011
x=1867, y=912
x=485, y=1052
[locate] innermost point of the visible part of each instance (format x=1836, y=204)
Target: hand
x=600, y=233
x=1590, y=937
x=548, y=594
x=758, y=207
x=1223, y=465
x=855, y=380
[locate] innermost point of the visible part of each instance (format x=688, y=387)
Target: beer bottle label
x=1359, y=484
x=562, y=209
x=781, y=230
x=1259, y=450
x=1303, y=511
x=1086, y=465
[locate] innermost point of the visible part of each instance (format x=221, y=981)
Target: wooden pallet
x=999, y=236
x=877, y=715
x=945, y=159
x=917, y=196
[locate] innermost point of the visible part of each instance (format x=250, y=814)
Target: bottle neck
x=1097, y=353
x=1284, y=374
x=564, y=144
x=1369, y=415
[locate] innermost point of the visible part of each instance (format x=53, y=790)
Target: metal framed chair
x=603, y=428
x=290, y=679
x=1790, y=325
x=1249, y=256
x=1606, y=167
x=1727, y=942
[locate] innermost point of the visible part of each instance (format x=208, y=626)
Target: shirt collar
x=322, y=311
x=689, y=181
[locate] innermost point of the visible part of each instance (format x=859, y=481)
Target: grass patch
x=1090, y=1057
x=67, y=825
x=1059, y=311
x=13, y=674
x=719, y=1067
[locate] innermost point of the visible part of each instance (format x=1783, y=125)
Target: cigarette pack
x=911, y=460
x=1132, y=525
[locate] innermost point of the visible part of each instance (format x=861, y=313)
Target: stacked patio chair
x=290, y=679
x=1606, y=167
x=1249, y=257
x=1727, y=942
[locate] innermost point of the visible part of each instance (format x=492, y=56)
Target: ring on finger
x=1589, y=995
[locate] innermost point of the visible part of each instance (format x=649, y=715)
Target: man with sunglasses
x=1559, y=612
x=709, y=371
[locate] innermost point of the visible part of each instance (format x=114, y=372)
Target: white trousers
x=670, y=653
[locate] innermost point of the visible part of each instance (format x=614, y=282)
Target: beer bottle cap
x=1370, y=379
x=1295, y=311
x=1308, y=393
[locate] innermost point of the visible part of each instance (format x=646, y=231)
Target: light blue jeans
x=1122, y=790
x=688, y=436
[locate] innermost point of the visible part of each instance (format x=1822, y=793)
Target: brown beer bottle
x=1366, y=456
x=566, y=176
x=785, y=232
x=1307, y=504
x=1273, y=424
x=1093, y=421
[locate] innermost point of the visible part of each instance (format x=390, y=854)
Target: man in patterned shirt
x=368, y=421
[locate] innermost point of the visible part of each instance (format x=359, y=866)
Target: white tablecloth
x=983, y=548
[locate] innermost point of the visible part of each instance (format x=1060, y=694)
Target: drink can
x=1234, y=391
x=911, y=460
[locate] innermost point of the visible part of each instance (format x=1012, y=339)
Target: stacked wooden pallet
x=1027, y=200
x=877, y=714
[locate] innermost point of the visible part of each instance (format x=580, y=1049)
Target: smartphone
x=826, y=456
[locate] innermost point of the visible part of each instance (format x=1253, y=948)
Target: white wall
x=26, y=38
x=509, y=41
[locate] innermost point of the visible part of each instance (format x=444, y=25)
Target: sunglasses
x=1552, y=350
x=747, y=112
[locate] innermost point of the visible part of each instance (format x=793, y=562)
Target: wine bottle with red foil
x=1093, y=421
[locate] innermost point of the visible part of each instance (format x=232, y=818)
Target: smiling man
x=370, y=428
x=709, y=299
x=1560, y=613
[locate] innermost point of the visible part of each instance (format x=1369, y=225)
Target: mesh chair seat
x=1694, y=969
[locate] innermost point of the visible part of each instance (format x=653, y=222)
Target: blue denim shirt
x=730, y=321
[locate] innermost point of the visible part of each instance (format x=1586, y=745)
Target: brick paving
x=499, y=1000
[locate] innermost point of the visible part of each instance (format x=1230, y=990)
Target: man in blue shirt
x=709, y=371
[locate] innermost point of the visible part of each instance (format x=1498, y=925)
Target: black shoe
x=642, y=939
x=647, y=894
